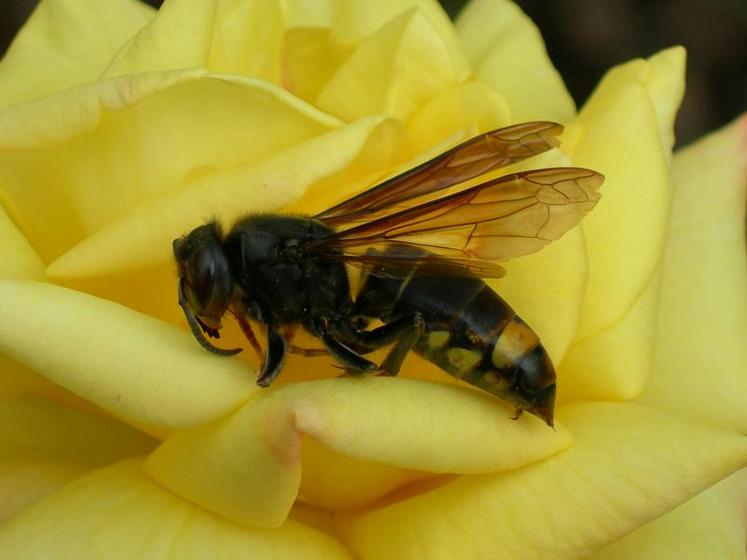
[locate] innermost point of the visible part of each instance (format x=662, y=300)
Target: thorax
x=273, y=268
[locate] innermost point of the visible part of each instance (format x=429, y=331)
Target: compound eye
x=201, y=278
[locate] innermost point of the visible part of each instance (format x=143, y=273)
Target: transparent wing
x=390, y=262
x=475, y=157
x=504, y=218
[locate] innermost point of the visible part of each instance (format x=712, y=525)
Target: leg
x=289, y=333
x=275, y=357
x=405, y=331
x=307, y=352
x=272, y=362
x=354, y=363
x=397, y=355
x=246, y=328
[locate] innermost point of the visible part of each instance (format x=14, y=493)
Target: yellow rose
x=121, y=128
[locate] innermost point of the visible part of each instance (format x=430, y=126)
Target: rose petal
x=709, y=526
x=338, y=482
x=507, y=52
x=236, y=37
x=247, y=467
x=130, y=364
x=143, y=236
x=622, y=113
x=44, y=445
x=247, y=38
x=65, y=43
x=37, y=429
x=302, y=13
x=152, y=290
x=701, y=356
x=321, y=36
x=618, y=362
x=17, y=380
x=174, y=127
x=620, y=469
x=355, y=19
x=19, y=261
x=471, y=106
x=613, y=355
x=19, y=258
x=395, y=71
x=25, y=482
x=117, y=513
x=311, y=56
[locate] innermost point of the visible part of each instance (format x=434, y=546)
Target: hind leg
x=404, y=332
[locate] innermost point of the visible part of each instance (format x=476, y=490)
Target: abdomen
x=472, y=334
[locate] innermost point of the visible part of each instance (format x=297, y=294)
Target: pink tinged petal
x=117, y=513
x=128, y=363
x=701, y=356
x=619, y=474
x=394, y=71
x=248, y=467
x=143, y=236
x=66, y=43
x=507, y=52
x=624, y=132
x=233, y=36
x=152, y=134
x=710, y=526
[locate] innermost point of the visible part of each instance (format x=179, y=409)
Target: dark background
x=586, y=37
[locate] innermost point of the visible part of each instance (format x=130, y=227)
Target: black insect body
x=421, y=258
x=470, y=332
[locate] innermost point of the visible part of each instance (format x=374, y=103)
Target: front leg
x=246, y=328
x=273, y=360
x=275, y=357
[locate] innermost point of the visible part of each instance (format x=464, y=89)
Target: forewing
x=475, y=157
x=389, y=264
x=510, y=216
